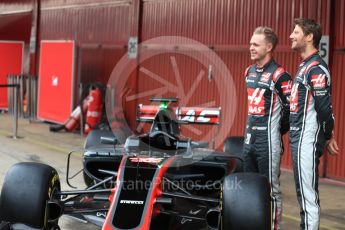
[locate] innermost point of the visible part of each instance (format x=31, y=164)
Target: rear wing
x=185, y=115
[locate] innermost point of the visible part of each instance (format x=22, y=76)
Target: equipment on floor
x=92, y=107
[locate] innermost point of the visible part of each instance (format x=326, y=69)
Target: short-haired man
x=311, y=119
x=268, y=88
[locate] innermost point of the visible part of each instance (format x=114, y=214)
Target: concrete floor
x=39, y=145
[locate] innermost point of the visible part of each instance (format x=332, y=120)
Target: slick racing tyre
x=234, y=146
x=25, y=194
x=246, y=202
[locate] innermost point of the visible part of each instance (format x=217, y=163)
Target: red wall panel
x=16, y=27
x=11, y=62
x=95, y=63
x=336, y=165
x=184, y=74
x=228, y=22
x=86, y=23
x=100, y=28
x=56, y=81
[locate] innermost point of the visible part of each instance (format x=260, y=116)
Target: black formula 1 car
x=157, y=180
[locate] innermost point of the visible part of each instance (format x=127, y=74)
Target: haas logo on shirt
x=286, y=87
x=256, y=102
x=294, y=98
x=318, y=81
x=265, y=77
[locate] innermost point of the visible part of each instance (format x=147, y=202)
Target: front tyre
x=25, y=194
x=246, y=202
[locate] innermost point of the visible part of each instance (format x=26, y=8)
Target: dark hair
x=270, y=35
x=309, y=26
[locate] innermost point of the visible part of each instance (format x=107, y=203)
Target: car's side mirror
x=109, y=140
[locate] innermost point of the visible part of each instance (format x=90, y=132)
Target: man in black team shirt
x=311, y=119
x=268, y=88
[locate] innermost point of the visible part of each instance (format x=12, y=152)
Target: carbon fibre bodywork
x=157, y=180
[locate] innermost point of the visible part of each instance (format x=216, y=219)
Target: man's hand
x=332, y=147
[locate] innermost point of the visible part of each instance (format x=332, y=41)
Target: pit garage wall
x=102, y=29
x=99, y=28
x=13, y=17
x=16, y=20
x=226, y=27
x=335, y=167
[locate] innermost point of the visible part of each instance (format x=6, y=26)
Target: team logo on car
x=318, y=81
x=198, y=115
x=256, y=104
x=131, y=202
x=150, y=160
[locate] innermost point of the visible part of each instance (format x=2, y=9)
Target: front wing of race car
x=149, y=194
x=136, y=192
x=139, y=198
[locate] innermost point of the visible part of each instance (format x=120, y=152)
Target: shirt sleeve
x=283, y=88
x=319, y=80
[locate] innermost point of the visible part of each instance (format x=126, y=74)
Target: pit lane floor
x=39, y=145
